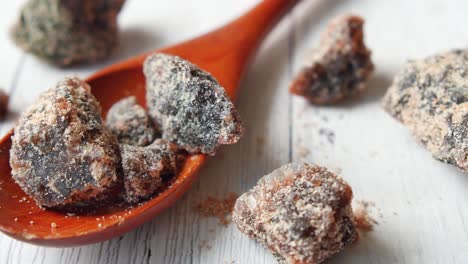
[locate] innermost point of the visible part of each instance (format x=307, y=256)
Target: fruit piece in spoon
x=146, y=169
x=301, y=213
x=339, y=67
x=62, y=155
x=68, y=32
x=130, y=123
x=188, y=105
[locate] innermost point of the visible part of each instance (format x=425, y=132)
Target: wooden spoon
x=224, y=53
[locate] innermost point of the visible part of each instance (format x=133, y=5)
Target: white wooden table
x=421, y=204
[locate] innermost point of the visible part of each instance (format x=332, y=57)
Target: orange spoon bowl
x=224, y=53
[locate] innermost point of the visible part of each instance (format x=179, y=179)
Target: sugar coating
x=3, y=104
x=130, y=123
x=430, y=97
x=301, y=213
x=146, y=168
x=339, y=67
x=68, y=32
x=62, y=155
x=189, y=106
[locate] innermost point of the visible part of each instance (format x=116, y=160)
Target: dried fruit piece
x=340, y=66
x=67, y=32
x=430, y=97
x=189, y=106
x=3, y=104
x=145, y=168
x=130, y=123
x=62, y=155
x=301, y=213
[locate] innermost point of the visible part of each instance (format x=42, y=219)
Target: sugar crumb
x=362, y=218
x=216, y=207
x=302, y=151
x=204, y=245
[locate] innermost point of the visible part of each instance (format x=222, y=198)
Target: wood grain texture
x=421, y=204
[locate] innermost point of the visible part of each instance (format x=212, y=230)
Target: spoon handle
x=232, y=45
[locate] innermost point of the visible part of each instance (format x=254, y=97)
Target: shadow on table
x=368, y=249
x=132, y=42
x=376, y=88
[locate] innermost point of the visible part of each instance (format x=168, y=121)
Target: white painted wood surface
x=421, y=204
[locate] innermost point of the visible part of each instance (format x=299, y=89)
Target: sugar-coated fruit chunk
x=130, y=123
x=146, y=168
x=430, y=97
x=68, y=32
x=188, y=105
x=339, y=67
x=62, y=155
x=301, y=213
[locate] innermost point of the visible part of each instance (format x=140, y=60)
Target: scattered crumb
x=53, y=225
x=302, y=152
x=204, y=245
x=260, y=141
x=362, y=217
x=363, y=221
x=99, y=225
x=338, y=170
x=16, y=219
x=31, y=222
x=219, y=208
x=329, y=134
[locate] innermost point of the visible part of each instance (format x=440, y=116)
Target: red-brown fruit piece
x=147, y=168
x=301, y=213
x=62, y=155
x=339, y=67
